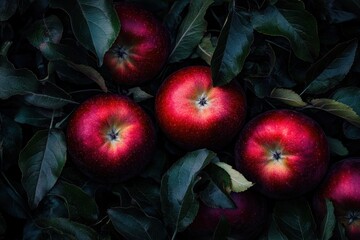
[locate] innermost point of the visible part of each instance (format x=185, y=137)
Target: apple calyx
x=120, y=52
x=113, y=135
x=202, y=101
x=352, y=216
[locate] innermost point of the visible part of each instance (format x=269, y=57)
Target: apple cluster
x=284, y=152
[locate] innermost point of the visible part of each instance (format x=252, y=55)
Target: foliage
x=295, y=54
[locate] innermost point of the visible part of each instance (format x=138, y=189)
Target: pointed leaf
x=191, y=30
x=216, y=197
x=288, y=97
x=238, y=182
x=349, y=96
x=179, y=203
x=15, y=81
x=289, y=19
x=41, y=162
x=10, y=142
x=132, y=223
x=90, y=73
x=95, y=23
x=334, y=66
x=329, y=221
x=337, y=147
x=338, y=109
x=232, y=48
x=294, y=219
x=7, y=9
x=77, y=200
x=46, y=30
x=67, y=229
x=138, y=94
x=206, y=49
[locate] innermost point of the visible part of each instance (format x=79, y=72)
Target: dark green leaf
x=294, y=219
x=350, y=131
x=173, y=17
x=146, y=193
x=222, y=230
x=289, y=19
x=337, y=147
x=15, y=81
x=133, y=224
x=206, y=49
x=332, y=68
x=10, y=141
x=41, y=162
x=78, y=202
x=46, y=30
x=47, y=101
x=52, y=206
x=11, y=201
x=338, y=109
x=138, y=94
x=288, y=97
x=342, y=11
x=179, y=203
x=233, y=46
x=67, y=73
x=91, y=73
x=95, y=23
x=7, y=9
x=4, y=49
x=191, y=30
x=274, y=233
x=349, y=96
x=329, y=221
x=53, y=52
x=215, y=196
x=68, y=229
x=37, y=117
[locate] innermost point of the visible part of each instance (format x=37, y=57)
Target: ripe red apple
x=141, y=48
x=195, y=114
x=247, y=220
x=284, y=152
x=110, y=137
x=342, y=187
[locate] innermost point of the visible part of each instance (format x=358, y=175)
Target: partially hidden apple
x=141, y=48
x=342, y=187
x=110, y=137
x=284, y=152
x=246, y=221
x=194, y=114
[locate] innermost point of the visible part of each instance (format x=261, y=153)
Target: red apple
x=284, y=152
x=342, y=187
x=110, y=137
x=195, y=114
x=141, y=48
x=247, y=220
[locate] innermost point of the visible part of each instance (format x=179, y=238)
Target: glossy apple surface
x=110, y=137
x=342, y=187
x=284, y=152
x=194, y=114
x=246, y=220
x=141, y=48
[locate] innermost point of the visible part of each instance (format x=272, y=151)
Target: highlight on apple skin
x=246, y=221
x=194, y=114
x=110, y=138
x=342, y=187
x=284, y=152
x=141, y=48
